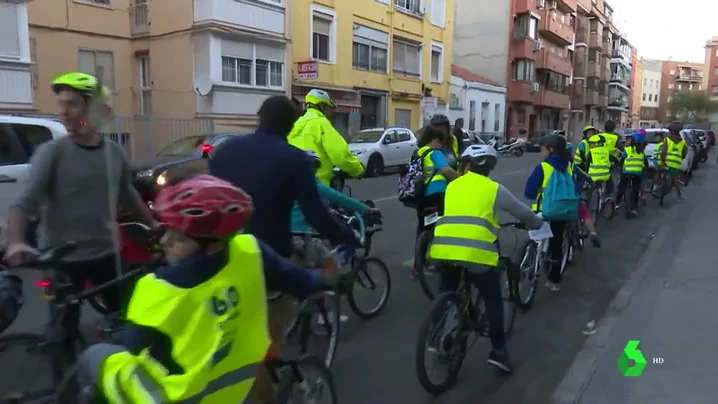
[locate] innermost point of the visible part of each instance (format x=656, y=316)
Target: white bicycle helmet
x=319, y=97
x=481, y=155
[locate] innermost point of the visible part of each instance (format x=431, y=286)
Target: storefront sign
x=307, y=70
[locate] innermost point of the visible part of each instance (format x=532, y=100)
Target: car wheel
x=375, y=166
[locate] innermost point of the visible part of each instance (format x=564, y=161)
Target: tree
x=692, y=105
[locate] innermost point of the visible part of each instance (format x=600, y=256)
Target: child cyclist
x=467, y=235
x=634, y=164
x=583, y=182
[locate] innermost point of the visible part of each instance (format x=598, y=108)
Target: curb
x=578, y=376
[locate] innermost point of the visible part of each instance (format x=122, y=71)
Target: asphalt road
x=375, y=360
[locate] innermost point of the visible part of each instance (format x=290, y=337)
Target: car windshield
x=654, y=137
x=366, y=136
x=185, y=147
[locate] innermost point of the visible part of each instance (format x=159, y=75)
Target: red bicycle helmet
x=204, y=207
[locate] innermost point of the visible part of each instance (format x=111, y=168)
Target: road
x=375, y=361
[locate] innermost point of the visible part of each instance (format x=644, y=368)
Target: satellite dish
x=202, y=85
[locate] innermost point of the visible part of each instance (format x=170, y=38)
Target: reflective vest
x=611, y=142
x=600, y=168
x=578, y=157
x=547, y=171
x=218, y=331
x=429, y=166
x=634, y=162
x=674, y=153
x=469, y=229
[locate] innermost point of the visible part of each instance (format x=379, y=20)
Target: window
x=252, y=64
x=645, y=82
x=100, y=64
x=715, y=71
x=407, y=59
x=526, y=26
x=700, y=87
x=403, y=136
x=525, y=70
x=321, y=35
x=402, y=118
x=437, y=63
x=370, y=54
x=438, y=12
x=11, y=150
x=144, y=84
x=104, y=2
x=497, y=115
x=32, y=136
x=472, y=115
x=644, y=96
x=670, y=86
x=717, y=53
x=9, y=34
x=669, y=99
x=409, y=5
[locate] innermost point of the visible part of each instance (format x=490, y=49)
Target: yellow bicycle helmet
x=587, y=128
x=319, y=97
x=596, y=139
x=82, y=82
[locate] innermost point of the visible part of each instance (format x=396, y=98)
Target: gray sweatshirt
x=76, y=190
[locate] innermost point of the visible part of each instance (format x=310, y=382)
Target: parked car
x=380, y=148
x=654, y=137
x=185, y=156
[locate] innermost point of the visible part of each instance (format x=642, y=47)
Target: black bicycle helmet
x=439, y=120
x=554, y=142
x=675, y=127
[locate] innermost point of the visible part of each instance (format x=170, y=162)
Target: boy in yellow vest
x=467, y=237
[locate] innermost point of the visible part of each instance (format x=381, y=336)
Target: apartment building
x=17, y=75
x=167, y=58
x=651, y=93
x=541, y=51
x=619, y=88
x=675, y=77
x=634, y=102
x=710, y=67
x=399, y=61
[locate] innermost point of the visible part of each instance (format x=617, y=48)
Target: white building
x=481, y=102
x=16, y=77
x=650, y=98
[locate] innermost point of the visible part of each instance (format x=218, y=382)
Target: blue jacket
x=535, y=180
x=276, y=174
x=331, y=196
x=279, y=274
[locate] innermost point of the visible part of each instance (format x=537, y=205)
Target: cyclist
x=467, y=237
x=453, y=143
x=634, y=163
x=198, y=327
x=553, y=150
x=580, y=157
x=673, y=152
x=612, y=145
x=76, y=184
x=583, y=181
x=313, y=131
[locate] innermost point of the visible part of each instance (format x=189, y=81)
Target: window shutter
x=9, y=36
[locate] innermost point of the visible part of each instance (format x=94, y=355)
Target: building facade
x=710, y=67
x=634, y=102
x=542, y=38
x=651, y=93
x=675, y=77
x=619, y=88
x=169, y=58
x=478, y=100
x=17, y=73
x=399, y=61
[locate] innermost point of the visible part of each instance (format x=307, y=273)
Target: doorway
x=370, y=111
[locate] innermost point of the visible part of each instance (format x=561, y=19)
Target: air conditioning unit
x=535, y=87
x=541, y=3
x=537, y=45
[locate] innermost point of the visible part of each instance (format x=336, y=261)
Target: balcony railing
x=620, y=79
x=691, y=77
x=140, y=17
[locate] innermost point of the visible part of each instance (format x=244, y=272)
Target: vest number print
x=227, y=299
x=223, y=304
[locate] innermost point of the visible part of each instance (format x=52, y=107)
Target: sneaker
x=554, y=287
x=680, y=197
x=634, y=213
x=500, y=359
x=595, y=240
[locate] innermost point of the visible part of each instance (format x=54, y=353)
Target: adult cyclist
x=611, y=144
x=582, y=148
x=313, y=131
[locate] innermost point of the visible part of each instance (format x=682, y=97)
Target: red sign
x=307, y=70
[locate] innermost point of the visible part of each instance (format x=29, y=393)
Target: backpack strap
x=421, y=158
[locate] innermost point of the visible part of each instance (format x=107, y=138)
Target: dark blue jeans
x=489, y=286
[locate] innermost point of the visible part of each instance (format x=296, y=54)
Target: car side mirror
x=386, y=141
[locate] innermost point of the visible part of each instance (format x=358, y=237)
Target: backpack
x=411, y=184
x=560, y=197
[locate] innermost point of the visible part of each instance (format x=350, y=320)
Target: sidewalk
x=670, y=306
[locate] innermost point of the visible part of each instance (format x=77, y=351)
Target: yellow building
x=378, y=58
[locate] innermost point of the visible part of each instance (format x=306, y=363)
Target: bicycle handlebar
x=355, y=218
x=49, y=257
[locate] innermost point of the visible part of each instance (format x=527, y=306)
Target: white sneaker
x=342, y=318
x=554, y=287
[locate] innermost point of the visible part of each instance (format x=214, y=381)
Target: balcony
x=585, y=4
x=591, y=97
x=618, y=55
x=593, y=69
x=551, y=99
x=523, y=48
x=606, y=46
x=140, y=17
x=618, y=104
x=594, y=40
x=567, y=6
x=549, y=61
x=260, y=16
x=620, y=80
x=520, y=91
x=689, y=78
x=558, y=31
x=525, y=6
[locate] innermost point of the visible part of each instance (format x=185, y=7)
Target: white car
x=655, y=136
x=380, y=148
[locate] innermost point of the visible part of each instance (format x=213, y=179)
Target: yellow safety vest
x=674, y=153
x=429, y=166
x=611, y=142
x=577, y=157
x=218, y=331
x=547, y=171
x=600, y=168
x=469, y=229
x=634, y=162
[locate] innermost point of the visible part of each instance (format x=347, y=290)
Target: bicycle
x=51, y=343
x=338, y=181
x=425, y=268
x=597, y=202
x=626, y=201
x=288, y=374
x=469, y=317
x=666, y=185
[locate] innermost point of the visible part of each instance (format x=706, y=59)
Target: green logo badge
x=631, y=353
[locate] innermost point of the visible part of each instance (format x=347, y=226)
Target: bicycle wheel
x=510, y=273
x=595, y=206
x=425, y=269
x=68, y=390
x=30, y=378
x=566, y=251
x=364, y=279
x=666, y=186
x=313, y=382
x=448, y=347
x=319, y=328
x=528, y=276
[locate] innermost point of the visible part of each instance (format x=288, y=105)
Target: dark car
x=533, y=144
x=182, y=157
